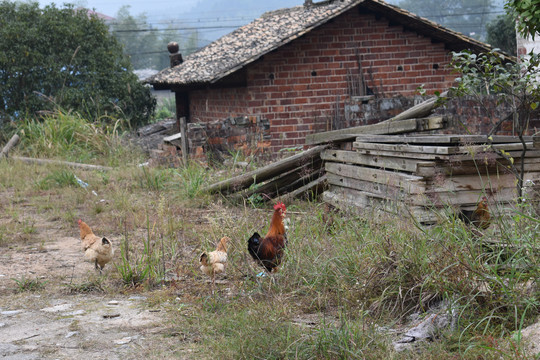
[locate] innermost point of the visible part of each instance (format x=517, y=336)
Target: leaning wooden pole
x=11, y=144
x=60, y=162
x=265, y=173
x=401, y=123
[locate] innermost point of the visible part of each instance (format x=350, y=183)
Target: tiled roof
x=274, y=29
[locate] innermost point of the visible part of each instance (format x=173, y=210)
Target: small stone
x=113, y=302
x=75, y=313
x=110, y=316
x=71, y=333
x=11, y=312
x=57, y=308
x=123, y=341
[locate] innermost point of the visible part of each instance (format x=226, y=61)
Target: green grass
x=66, y=135
x=29, y=285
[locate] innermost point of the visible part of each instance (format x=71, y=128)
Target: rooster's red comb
x=281, y=206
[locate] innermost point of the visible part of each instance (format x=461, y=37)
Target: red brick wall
x=302, y=86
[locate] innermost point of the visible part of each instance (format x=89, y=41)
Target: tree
x=64, y=57
x=139, y=39
x=501, y=33
x=528, y=14
x=466, y=16
x=145, y=45
x=516, y=87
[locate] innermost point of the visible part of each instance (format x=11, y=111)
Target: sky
x=160, y=10
x=215, y=18
x=110, y=8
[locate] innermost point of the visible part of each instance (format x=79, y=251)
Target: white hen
x=97, y=250
x=213, y=262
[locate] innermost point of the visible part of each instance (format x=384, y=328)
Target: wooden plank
x=468, y=167
x=439, y=197
x=384, y=162
x=265, y=173
x=403, y=148
x=409, y=183
x=311, y=186
x=361, y=202
x=490, y=154
x=440, y=139
x=443, y=150
x=385, y=127
x=482, y=148
x=183, y=139
x=363, y=185
x=282, y=181
x=456, y=183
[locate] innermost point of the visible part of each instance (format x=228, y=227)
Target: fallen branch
x=60, y=162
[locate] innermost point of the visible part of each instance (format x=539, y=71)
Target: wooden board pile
x=415, y=175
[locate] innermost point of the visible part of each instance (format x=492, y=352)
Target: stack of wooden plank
x=417, y=174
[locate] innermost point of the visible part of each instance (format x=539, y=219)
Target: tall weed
x=69, y=136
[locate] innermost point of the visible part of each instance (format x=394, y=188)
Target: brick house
x=311, y=68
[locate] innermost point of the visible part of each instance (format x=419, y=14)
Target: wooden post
x=183, y=140
x=11, y=143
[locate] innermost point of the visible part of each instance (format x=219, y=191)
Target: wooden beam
x=442, y=150
x=446, y=168
x=265, y=173
x=311, y=186
x=409, y=183
x=285, y=181
x=403, y=148
x=433, y=153
x=361, y=201
x=385, y=127
x=440, y=139
x=374, y=160
x=183, y=140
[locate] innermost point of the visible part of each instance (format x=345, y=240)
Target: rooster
x=213, y=262
x=97, y=250
x=268, y=251
x=478, y=217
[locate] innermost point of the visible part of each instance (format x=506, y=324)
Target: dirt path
x=55, y=324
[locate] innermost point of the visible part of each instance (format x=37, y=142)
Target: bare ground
x=54, y=322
